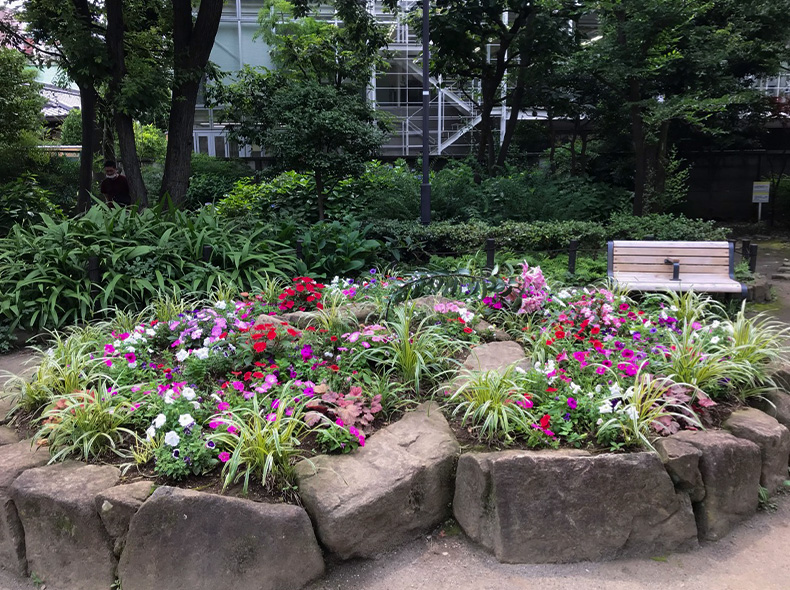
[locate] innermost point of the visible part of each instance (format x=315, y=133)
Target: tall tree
x=483, y=42
x=193, y=39
x=663, y=61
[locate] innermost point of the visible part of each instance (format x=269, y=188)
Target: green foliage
x=676, y=186
x=212, y=179
x=23, y=201
x=327, y=131
x=493, y=404
x=150, y=141
x=190, y=457
x=337, y=249
x=43, y=266
x=71, y=129
x=20, y=112
x=60, y=176
x=84, y=425
x=260, y=447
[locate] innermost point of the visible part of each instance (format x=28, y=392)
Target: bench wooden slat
x=662, y=269
x=656, y=245
x=684, y=260
x=715, y=252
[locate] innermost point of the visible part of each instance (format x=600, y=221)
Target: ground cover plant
x=237, y=387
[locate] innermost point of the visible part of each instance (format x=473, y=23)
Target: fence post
x=572, y=249
x=207, y=251
x=649, y=238
x=93, y=270
x=299, y=252
x=745, y=249
x=490, y=251
x=753, y=257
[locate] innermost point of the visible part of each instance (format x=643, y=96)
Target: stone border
x=74, y=527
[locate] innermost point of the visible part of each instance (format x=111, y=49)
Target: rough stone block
x=558, y=507
x=14, y=460
x=776, y=404
x=65, y=542
x=772, y=438
x=730, y=469
x=496, y=356
x=8, y=436
x=117, y=506
x=198, y=541
x=389, y=492
x=682, y=462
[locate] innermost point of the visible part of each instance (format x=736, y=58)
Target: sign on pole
x=761, y=193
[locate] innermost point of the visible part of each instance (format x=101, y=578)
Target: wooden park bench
x=674, y=266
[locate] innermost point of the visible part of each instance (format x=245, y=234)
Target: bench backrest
x=713, y=258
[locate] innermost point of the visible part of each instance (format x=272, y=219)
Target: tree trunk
x=123, y=121
x=191, y=49
x=512, y=122
x=88, y=99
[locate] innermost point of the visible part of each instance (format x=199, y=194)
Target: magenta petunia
x=224, y=456
x=572, y=403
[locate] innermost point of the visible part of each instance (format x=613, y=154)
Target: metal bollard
x=207, y=251
x=93, y=270
x=299, y=252
x=490, y=251
x=753, y=258
x=572, y=250
x=745, y=246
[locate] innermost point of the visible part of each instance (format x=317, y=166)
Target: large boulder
x=772, y=438
x=682, y=462
x=390, y=491
x=496, y=356
x=14, y=460
x=730, y=469
x=117, y=506
x=558, y=507
x=776, y=404
x=187, y=539
x=65, y=542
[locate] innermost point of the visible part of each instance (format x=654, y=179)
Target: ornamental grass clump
x=85, y=425
x=493, y=404
x=260, y=441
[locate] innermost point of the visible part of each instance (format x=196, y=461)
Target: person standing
x=115, y=188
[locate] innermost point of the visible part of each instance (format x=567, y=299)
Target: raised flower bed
x=309, y=389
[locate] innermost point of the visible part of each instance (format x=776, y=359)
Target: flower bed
x=232, y=390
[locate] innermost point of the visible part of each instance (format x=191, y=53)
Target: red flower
x=247, y=375
x=545, y=421
x=549, y=342
x=468, y=330
x=257, y=374
x=258, y=347
x=551, y=389
x=333, y=338
x=299, y=288
x=335, y=368
x=595, y=330
x=310, y=328
x=559, y=334
x=271, y=335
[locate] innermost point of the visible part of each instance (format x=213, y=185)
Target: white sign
x=761, y=192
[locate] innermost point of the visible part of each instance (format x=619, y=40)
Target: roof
x=59, y=101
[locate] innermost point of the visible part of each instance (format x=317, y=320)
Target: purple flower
x=572, y=403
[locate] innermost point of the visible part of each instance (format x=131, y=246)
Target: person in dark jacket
x=115, y=188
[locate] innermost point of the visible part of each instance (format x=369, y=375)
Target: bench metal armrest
x=675, y=268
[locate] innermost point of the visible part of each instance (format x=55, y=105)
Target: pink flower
x=108, y=362
x=222, y=406
x=224, y=456
x=232, y=430
x=238, y=385
x=131, y=358
x=109, y=349
x=271, y=417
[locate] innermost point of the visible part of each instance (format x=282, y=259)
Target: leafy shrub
x=150, y=141
x=60, y=176
x=212, y=178
x=23, y=201
x=337, y=249
x=43, y=266
x=71, y=129
x=416, y=241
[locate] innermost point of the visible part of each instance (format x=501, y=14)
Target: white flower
x=220, y=305
x=598, y=388
x=160, y=420
x=672, y=308
x=168, y=397
x=149, y=434
x=466, y=315
x=714, y=340
x=206, y=341
x=181, y=356
x=575, y=388
x=629, y=393
x=186, y=420
x=715, y=324
x=172, y=439
x=631, y=412
x=614, y=389
x=563, y=294
x=605, y=408
x=130, y=349
x=201, y=353
x=151, y=332
x=197, y=334
x=188, y=393
x=196, y=405
x=600, y=421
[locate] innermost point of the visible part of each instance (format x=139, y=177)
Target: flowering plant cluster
x=229, y=386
